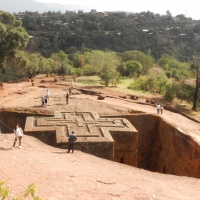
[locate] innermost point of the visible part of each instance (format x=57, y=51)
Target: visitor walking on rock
x=72, y=139
x=158, y=108
x=161, y=109
x=18, y=135
x=48, y=94
x=70, y=90
x=67, y=98
x=43, y=100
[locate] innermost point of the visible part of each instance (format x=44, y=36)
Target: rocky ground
x=58, y=175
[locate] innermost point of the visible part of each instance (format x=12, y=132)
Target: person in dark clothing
x=70, y=90
x=67, y=98
x=72, y=139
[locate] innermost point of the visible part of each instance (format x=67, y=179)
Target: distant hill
x=15, y=6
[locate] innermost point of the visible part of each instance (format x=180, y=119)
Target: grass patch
x=89, y=80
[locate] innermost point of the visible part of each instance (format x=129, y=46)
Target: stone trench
x=158, y=147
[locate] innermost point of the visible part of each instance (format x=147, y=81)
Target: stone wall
x=164, y=148
x=176, y=152
x=9, y=119
x=125, y=147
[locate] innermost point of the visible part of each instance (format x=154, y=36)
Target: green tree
x=12, y=36
x=110, y=75
x=174, y=68
x=170, y=92
x=46, y=65
x=146, y=60
x=106, y=64
x=121, y=67
x=62, y=63
x=133, y=68
x=26, y=63
x=97, y=60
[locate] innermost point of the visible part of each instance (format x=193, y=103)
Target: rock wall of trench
x=164, y=148
x=9, y=119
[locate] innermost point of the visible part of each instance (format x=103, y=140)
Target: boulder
x=134, y=97
x=101, y=97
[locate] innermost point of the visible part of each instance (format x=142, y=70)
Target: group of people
x=45, y=98
x=159, y=109
x=19, y=134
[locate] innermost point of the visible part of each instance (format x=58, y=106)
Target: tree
x=197, y=85
x=100, y=59
x=12, y=36
x=107, y=64
x=46, y=65
x=26, y=63
x=62, y=63
x=170, y=92
x=110, y=75
x=133, y=68
x=145, y=60
x=121, y=67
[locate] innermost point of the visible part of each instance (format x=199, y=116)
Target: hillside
x=58, y=175
x=114, y=31
x=12, y=6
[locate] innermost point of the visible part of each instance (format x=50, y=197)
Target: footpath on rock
x=58, y=175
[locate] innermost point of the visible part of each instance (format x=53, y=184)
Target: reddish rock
x=101, y=97
x=134, y=97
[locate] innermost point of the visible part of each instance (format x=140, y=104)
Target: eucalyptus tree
x=109, y=74
x=197, y=84
x=27, y=64
x=133, y=68
x=46, y=65
x=146, y=61
x=62, y=63
x=12, y=36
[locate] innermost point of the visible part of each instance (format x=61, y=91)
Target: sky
x=190, y=8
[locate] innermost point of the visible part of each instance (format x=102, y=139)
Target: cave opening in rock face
x=161, y=147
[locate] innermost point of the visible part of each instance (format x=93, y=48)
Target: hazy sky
x=190, y=8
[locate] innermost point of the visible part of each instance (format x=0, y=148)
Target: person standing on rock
x=67, y=98
x=48, y=94
x=158, y=108
x=70, y=90
x=43, y=100
x=161, y=109
x=72, y=139
x=72, y=83
x=18, y=135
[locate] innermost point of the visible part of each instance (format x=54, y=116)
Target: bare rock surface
x=58, y=175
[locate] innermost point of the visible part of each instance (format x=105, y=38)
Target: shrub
x=6, y=194
x=170, y=92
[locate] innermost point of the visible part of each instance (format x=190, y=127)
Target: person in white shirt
x=48, y=94
x=161, y=109
x=158, y=108
x=18, y=135
x=43, y=100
